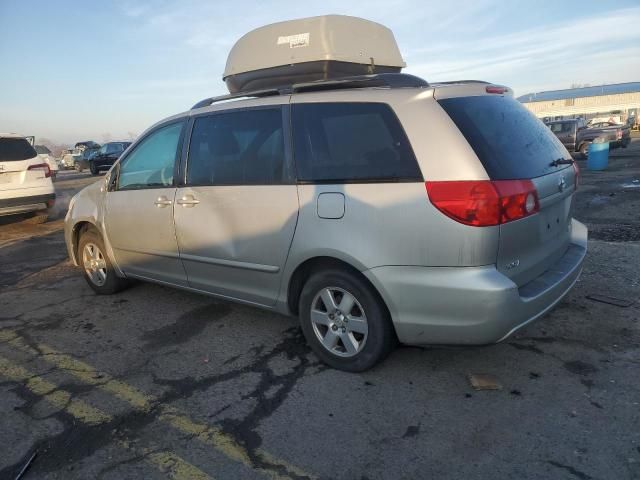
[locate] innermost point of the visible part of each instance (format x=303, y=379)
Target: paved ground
x=156, y=382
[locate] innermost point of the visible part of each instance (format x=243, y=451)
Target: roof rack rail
x=453, y=82
x=388, y=80
x=384, y=80
x=231, y=96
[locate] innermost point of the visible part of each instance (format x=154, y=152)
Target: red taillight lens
x=495, y=89
x=618, y=134
x=41, y=166
x=482, y=203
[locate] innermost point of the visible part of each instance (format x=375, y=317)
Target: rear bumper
x=472, y=305
x=13, y=206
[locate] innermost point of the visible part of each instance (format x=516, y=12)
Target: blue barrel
x=598, y=158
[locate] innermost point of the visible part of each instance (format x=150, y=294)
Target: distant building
x=618, y=102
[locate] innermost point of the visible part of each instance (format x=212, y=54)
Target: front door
x=236, y=216
x=139, y=211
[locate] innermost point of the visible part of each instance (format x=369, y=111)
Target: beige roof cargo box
x=309, y=49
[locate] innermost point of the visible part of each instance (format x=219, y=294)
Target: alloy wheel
x=339, y=321
x=95, y=264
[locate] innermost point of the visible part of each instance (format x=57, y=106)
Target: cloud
x=576, y=47
x=134, y=10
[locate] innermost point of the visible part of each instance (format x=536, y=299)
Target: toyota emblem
x=562, y=184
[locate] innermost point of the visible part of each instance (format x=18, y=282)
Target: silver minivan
x=376, y=209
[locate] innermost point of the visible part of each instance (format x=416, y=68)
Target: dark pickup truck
x=576, y=135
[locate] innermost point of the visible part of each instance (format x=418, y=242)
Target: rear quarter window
x=351, y=142
x=15, y=149
x=509, y=140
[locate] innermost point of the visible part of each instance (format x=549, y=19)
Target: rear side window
x=509, y=140
x=351, y=142
x=15, y=149
x=238, y=148
x=42, y=150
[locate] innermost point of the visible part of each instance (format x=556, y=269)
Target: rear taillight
x=576, y=170
x=618, y=134
x=496, y=89
x=482, y=203
x=43, y=167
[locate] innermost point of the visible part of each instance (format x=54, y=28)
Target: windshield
x=509, y=140
x=15, y=149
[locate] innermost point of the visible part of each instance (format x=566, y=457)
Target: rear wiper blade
x=562, y=161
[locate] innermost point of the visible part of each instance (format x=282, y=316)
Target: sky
x=107, y=70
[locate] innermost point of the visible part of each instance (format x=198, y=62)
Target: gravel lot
x=157, y=383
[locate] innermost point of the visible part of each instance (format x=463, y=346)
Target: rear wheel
x=98, y=270
x=344, y=321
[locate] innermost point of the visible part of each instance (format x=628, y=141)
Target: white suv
x=25, y=179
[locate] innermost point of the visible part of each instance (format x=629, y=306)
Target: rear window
x=509, y=140
x=351, y=142
x=42, y=150
x=14, y=149
x=560, y=127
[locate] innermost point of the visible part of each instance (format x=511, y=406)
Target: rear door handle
x=188, y=201
x=162, y=202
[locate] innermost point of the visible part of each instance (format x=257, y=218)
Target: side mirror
x=111, y=178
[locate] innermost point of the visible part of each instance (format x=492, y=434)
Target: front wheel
x=97, y=268
x=93, y=168
x=344, y=321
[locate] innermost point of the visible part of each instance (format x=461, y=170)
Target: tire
x=370, y=326
x=91, y=247
x=93, y=168
x=584, y=150
x=37, y=218
x=79, y=168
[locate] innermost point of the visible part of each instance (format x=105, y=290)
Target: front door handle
x=162, y=202
x=188, y=201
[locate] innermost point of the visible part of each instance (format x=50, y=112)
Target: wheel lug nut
x=334, y=327
x=344, y=330
x=332, y=316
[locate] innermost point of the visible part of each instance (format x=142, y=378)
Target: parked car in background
x=25, y=179
x=576, y=135
x=81, y=146
x=69, y=158
x=87, y=155
x=45, y=154
x=622, y=131
x=106, y=156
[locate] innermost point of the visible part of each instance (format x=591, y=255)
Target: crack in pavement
x=244, y=449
